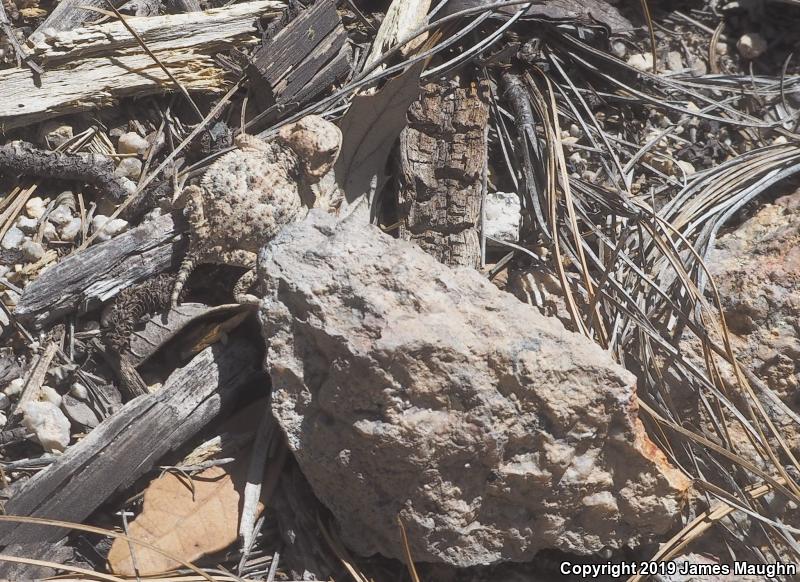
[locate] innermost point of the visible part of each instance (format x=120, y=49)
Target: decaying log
x=124, y=447
x=442, y=159
x=305, y=58
x=83, y=281
x=92, y=66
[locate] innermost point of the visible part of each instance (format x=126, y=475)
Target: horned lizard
x=249, y=194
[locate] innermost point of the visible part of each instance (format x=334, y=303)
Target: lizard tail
x=187, y=266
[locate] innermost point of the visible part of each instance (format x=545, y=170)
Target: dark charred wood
x=22, y=158
x=303, y=59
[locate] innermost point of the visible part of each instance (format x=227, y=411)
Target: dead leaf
x=185, y=525
x=190, y=518
x=369, y=130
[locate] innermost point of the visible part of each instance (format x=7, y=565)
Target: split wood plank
x=90, y=277
x=124, y=447
x=304, y=58
x=93, y=66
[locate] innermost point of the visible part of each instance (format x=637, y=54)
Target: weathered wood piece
x=124, y=447
x=88, y=278
x=23, y=158
x=72, y=14
x=442, y=158
x=402, y=19
x=304, y=59
x=92, y=66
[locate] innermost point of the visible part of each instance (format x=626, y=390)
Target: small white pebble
x=129, y=168
x=48, y=423
x=14, y=387
x=132, y=143
x=32, y=251
x=699, y=68
x=641, y=61
x=10, y=298
x=722, y=48
x=27, y=225
x=674, y=61
x=60, y=215
x=79, y=391
x=619, y=49
x=751, y=45
x=49, y=394
x=114, y=227
x=575, y=130
x=49, y=232
x=70, y=230
x=35, y=207
x=13, y=238
x=780, y=140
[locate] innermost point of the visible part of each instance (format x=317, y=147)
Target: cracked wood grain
x=93, y=66
x=86, y=279
x=442, y=156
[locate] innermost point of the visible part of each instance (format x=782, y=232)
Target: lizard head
x=315, y=141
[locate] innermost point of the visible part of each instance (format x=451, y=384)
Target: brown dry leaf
x=181, y=524
x=190, y=526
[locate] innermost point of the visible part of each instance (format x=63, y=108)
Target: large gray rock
x=408, y=389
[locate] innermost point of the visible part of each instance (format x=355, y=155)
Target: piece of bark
x=22, y=158
x=124, y=447
x=442, y=157
x=88, y=278
x=302, y=60
x=92, y=66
